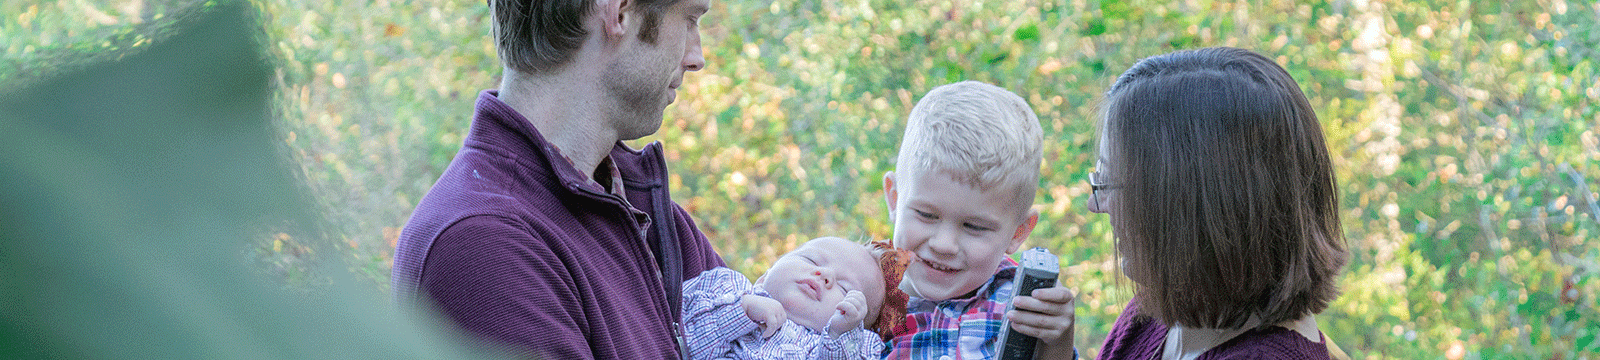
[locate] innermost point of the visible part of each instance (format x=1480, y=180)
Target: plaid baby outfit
x=718, y=328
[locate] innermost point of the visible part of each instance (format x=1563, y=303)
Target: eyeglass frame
x=1095, y=187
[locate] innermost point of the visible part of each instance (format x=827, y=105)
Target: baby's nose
x=826, y=276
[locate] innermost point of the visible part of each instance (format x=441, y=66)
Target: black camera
x=1039, y=269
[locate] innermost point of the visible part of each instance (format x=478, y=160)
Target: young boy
x=816, y=302
x=961, y=203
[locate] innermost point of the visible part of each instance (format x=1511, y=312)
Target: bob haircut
x=534, y=36
x=1226, y=210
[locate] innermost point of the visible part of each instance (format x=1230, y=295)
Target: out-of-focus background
x=1463, y=132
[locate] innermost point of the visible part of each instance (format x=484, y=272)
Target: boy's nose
x=943, y=241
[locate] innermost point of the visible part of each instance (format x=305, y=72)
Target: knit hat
x=892, y=315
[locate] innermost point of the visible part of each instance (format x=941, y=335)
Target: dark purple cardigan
x=1141, y=337
x=518, y=248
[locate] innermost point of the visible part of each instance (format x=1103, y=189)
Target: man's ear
x=890, y=195
x=613, y=17
x=1023, y=229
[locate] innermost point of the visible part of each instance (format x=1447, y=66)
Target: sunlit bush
x=1464, y=134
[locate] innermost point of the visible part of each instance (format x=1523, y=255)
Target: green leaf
x=1026, y=32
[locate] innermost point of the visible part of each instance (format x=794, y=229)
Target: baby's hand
x=766, y=312
x=851, y=311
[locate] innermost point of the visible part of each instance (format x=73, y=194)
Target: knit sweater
x=520, y=249
x=1140, y=337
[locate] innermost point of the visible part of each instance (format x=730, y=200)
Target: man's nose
x=694, y=58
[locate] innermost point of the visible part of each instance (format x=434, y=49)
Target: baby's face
x=811, y=280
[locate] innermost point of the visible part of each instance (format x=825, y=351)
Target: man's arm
x=502, y=285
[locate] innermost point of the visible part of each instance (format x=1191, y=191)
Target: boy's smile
x=959, y=233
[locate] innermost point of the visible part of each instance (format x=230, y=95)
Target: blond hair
x=982, y=135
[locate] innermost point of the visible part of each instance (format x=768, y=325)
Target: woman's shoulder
x=1133, y=336
x=1271, y=343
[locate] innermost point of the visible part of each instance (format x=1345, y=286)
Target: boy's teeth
x=937, y=267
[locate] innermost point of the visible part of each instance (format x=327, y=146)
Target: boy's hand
x=764, y=311
x=851, y=311
x=1047, y=315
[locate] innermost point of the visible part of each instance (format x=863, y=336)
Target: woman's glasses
x=1096, y=185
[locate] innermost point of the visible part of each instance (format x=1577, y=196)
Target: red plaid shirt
x=962, y=329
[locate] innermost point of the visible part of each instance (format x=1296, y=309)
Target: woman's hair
x=1226, y=208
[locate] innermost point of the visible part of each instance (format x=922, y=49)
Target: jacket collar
x=502, y=130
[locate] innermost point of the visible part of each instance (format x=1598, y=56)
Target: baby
x=819, y=301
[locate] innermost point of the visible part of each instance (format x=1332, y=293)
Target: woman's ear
x=1023, y=229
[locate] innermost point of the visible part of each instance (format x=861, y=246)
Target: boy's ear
x=613, y=17
x=1023, y=229
x=761, y=280
x=890, y=195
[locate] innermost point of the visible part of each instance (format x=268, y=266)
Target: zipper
x=678, y=334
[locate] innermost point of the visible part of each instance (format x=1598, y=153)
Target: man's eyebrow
x=698, y=9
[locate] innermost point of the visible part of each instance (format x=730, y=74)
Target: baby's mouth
x=811, y=288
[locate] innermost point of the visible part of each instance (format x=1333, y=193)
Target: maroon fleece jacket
x=520, y=249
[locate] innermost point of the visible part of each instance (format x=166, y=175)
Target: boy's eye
x=975, y=227
x=925, y=215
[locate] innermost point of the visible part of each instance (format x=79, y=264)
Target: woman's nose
x=1096, y=203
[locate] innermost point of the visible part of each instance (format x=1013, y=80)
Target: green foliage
x=1464, y=135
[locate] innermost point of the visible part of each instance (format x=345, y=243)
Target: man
x=546, y=233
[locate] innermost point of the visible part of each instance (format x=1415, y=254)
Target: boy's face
x=811, y=280
x=958, y=233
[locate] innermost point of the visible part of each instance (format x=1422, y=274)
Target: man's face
x=811, y=280
x=645, y=77
x=959, y=233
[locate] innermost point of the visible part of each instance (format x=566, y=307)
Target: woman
x=1214, y=172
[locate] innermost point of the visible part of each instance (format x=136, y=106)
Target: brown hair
x=1226, y=207
x=891, y=320
x=533, y=36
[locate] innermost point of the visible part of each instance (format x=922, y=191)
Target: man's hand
x=1047, y=315
x=849, y=314
x=764, y=311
